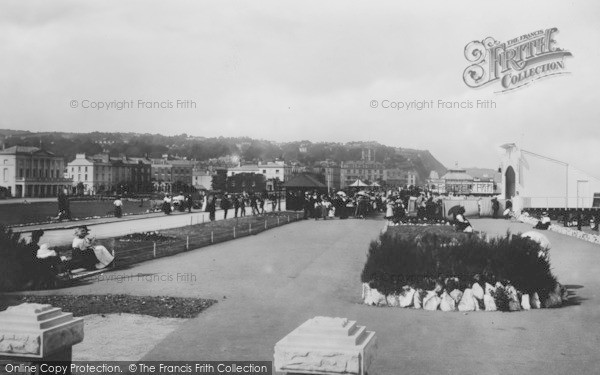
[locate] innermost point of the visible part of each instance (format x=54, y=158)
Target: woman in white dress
x=389, y=211
x=88, y=255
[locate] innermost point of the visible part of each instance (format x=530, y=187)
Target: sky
x=314, y=70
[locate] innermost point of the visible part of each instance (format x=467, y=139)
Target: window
x=86, y=171
x=276, y=170
x=86, y=176
x=5, y=174
x=264, y=171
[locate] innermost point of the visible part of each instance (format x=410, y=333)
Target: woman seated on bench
x=544, y=222
x=86, y=255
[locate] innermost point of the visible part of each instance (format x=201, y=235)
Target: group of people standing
x=257, y=203
x=421, y=204
x=179, y=202
x=341, y=205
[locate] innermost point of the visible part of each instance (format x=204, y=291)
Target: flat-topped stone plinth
x=35, y=331
x=325, y=345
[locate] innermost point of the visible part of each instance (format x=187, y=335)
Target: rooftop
x=25, y=150
x=457, y=174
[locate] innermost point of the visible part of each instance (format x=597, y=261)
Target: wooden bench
x=80, y=273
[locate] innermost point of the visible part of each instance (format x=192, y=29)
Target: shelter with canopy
x=297, y=186
x=358, y=183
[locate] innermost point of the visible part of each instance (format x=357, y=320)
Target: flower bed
x=81, y=305
x=593, y=238
x=433, y=267
x=146, y=236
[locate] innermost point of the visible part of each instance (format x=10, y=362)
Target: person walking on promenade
x=166, y=206
x=236, y=205
x=211, y=206
x=306, y=206
x=118, y=203
x=225, y=205
x=274, y=202
x=64, y=211
x=325, y=207
x=495, y=207
x=189, y=200
x=262, y=204
x=242, y=206
x=254, y=204
x=389, y=212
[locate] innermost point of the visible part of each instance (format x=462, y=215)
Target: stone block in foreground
x=324, y=345
x=32, y=331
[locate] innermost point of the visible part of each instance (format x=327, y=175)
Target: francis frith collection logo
x=515, y=63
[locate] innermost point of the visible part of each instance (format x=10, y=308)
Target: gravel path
x=135, y=337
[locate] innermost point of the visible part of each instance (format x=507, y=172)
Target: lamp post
x=278, y=194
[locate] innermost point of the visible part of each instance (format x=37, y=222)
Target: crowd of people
x=398, y=205
x=242, y=204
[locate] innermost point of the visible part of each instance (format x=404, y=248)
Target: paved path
x=29, y=200
x=270, y=283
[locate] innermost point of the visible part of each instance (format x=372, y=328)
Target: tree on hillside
x=219, y=180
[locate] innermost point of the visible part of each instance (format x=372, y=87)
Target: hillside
x=221, y=149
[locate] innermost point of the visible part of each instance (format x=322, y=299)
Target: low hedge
x=426, y=257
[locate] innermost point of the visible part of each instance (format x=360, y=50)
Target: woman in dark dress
x=211, y=208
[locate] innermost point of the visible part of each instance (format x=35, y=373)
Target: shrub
x=20, y=268
x=16, y=258
x=422, y=256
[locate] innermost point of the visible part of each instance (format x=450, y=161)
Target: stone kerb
x=32, y=332
x=593, y=238
x=325, y=345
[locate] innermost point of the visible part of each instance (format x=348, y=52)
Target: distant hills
x=221, y=150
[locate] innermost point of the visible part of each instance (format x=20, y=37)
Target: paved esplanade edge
x=275, y=281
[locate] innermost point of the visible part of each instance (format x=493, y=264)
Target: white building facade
x=32, y=172
x=542, y=182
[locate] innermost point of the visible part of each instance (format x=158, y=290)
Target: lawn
x=38, y=212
